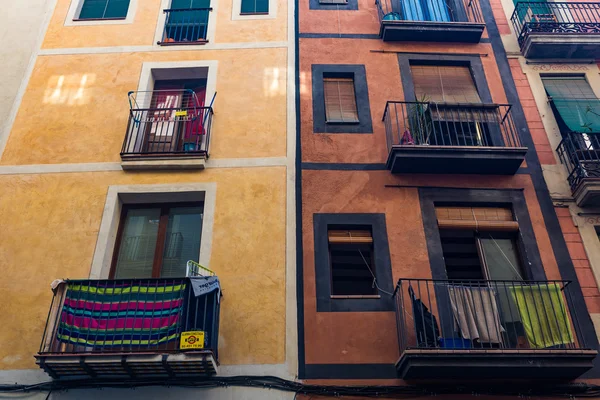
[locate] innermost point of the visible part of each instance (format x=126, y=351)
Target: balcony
x=437, y=138
x=187, y=26
x=167, y=138
x=580, y=153
x=558, y=30
x=488, y=330
x=132, y=328
x=430, y=21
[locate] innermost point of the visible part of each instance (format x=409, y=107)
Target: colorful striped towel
x=132, y=314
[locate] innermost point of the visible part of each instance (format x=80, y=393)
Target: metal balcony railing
x=156, y=132
x=555, y=18
x=431, y=11
x=497, y=316
x=128, y=316
x=580, y=152
x=453, y=125
x=185, y=26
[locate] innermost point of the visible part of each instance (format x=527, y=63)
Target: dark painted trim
x=531, y=259
x=557, y=240
x=351, y=371
x=343, y=167
x=361, y=90
x=339, y=36
x=485, y=40
x=315, y=5
x=472, y=61
x=298, y=198
x=382, y=260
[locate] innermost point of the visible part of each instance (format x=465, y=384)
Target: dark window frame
x=103, y=18
x=160, y=238
x=316, y=5
x=381, y=254
x=255, y=12
x=361, y=91
x=531, y=261
x=472, y=61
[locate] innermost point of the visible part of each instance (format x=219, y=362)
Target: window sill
x=368, y=296
x=99, y=19
x=190, y=43
x=254, y=13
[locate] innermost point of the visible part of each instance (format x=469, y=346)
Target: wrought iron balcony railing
x=185, y=26
x=555, y=18
x=430, y=11
x=494, y=315
x=167, y=132
x=131, y=327
x=580, y=153
x=452, y=125
x=489, y=329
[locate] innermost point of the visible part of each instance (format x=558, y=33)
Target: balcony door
x=480, y=244
x=425, y=10
x=157, y=240
x=187, y=26
x=173, y=107
x=454, y=115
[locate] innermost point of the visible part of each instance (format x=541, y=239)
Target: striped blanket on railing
x=132, y=314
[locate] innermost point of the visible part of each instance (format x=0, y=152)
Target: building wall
x=346, y=173
x=21, y=25
x=60, y=164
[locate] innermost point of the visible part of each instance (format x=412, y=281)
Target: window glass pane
x=138, y=243
x=262, y=6
x=502, y=258
x=117, y=9
x=248, y=6
x=93, y=9
x=182, y=241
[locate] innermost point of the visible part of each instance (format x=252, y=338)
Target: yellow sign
x=181, y=113
x=191, y=340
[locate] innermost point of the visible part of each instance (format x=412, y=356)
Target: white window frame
x=75, y=10
x=162, y=20
x=119, y=195
x=236, y=11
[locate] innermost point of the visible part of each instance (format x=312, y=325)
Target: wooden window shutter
x=476, y=218
x=349, y=236
x=340, y=100
x=444, y=84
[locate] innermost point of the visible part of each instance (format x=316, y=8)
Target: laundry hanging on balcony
x=476, y=313
x=543, y=314
x=132, y=314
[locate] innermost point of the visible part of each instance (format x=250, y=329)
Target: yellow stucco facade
x=62, y=156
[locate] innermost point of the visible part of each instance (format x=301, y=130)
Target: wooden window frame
x=160, y=237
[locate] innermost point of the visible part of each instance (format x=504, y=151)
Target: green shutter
x=98, y=9
x=575, y=102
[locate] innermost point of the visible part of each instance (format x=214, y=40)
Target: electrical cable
x=276, y=383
